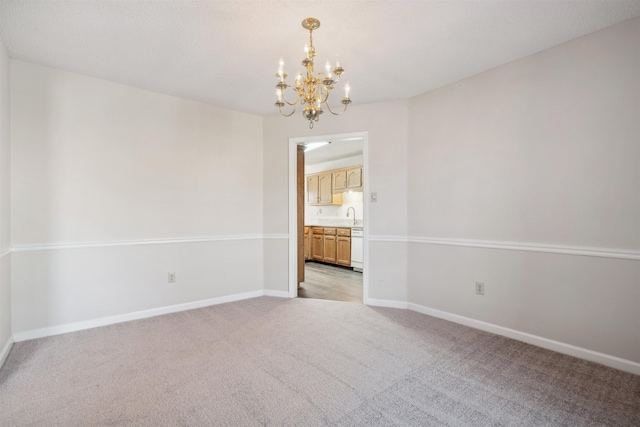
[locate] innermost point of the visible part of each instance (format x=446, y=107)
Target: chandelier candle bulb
x=310, y=88
x=347, y=88
x=281, y=69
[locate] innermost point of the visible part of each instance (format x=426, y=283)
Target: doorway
x=334, y=227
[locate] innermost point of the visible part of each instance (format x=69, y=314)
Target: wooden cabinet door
x=343, y=251
x=354, y=178
x=312, y=189
x=330, y=249
x=307, y=243
x=317, y=247
x=340, y=180
x=325, y=189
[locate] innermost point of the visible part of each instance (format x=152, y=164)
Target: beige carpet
x=272, y=361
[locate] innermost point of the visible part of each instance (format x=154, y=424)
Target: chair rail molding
x=106, y=244
x=631, y=254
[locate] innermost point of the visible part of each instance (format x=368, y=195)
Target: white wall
x=543, y=151
x=94, y=163
x=386, y=124
x=5, y=236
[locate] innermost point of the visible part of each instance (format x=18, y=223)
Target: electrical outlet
x=479, y=288
x=172, y=277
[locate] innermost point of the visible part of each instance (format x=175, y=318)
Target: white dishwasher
x=357, y=258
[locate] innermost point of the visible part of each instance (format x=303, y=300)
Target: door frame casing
x=293, y=207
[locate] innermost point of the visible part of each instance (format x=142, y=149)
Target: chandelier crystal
x=311, y=89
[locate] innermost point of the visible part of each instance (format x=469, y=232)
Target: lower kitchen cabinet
x=343, y=251
x=317, y=243
x=307, y=243
x=328, y=244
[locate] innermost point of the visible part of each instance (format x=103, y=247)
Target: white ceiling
x=226, y=53
x=337, y=149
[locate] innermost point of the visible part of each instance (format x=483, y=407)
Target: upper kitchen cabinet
x=354, y=178
x=326, y=188
x=312, y=189
x=320, y=190
x=325, y=193
x=347, y=179
x=340, y=179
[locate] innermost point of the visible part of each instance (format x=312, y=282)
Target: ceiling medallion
x=312, y=90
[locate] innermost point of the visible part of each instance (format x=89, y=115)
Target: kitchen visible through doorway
x=334, y=221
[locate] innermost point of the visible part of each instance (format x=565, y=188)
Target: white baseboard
x=94, y=323
x=279, y=294
x=583, y=353
x=385, y=303
x=5, y=351
x=560, y=347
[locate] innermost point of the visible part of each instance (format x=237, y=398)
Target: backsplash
x=336, y=215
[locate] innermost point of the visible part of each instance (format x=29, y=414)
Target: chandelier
x=310, y=89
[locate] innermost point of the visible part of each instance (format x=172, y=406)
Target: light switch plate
x=374, y=197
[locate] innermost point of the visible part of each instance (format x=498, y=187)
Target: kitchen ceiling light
x=313, y=145
x=311, y=89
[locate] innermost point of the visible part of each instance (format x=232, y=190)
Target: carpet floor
x=273, y=361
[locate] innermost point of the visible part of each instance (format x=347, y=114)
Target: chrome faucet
x=354, y=214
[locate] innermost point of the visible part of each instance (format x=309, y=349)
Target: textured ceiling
x=226, y=53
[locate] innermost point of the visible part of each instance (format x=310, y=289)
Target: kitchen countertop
x=334, y=225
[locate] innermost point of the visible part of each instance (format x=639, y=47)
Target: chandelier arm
x=336, y=114
x=324, y=91
x=287, y=115
x=294, y=102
